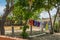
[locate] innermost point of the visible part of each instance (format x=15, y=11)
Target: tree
x=48, y=7
x=7, y=11
x=56, y=4
x=48, y=4
x=28, y=8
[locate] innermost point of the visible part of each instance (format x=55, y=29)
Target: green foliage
x=22, y=7
x=22, y=10
x=47, y=5
x=24, y=33
x=55, y=3
x=25, y=27
x=56, y=27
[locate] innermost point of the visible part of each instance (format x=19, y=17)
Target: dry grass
x=10, y=28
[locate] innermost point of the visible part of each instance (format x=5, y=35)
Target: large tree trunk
x=2, y=28
x=59, y=18
x=55, y=17
x=51, y=31
x=7, y=11
x=3, y=21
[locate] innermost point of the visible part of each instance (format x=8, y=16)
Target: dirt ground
x=16, y=28
x=55, y=36
x=8, y=29
x=10, y=38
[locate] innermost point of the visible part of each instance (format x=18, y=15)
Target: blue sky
x=2, y=6
x=44, y=14
x=2, y=2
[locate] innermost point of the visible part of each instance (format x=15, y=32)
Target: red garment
x=31, y=22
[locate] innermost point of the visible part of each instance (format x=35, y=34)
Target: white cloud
x=2, y=9
x=53, y=12
x=44, y=14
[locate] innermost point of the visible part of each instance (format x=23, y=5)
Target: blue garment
x=35, y=23
x=38, y=24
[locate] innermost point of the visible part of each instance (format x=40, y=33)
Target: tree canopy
x=21, y=9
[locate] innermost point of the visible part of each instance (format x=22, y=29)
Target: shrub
x=24, y=33
x=56, y=27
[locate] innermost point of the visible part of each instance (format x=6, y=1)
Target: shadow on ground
x=47, y=37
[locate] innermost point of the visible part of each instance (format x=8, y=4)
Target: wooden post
x=31, y=30
x=13, y=30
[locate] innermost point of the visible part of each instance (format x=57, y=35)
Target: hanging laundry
x=38, y=24
x=46, y=26
x=31, y=22
x=35, y=23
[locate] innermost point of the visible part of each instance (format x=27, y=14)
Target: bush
x=24, y=33
x=56, y=27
